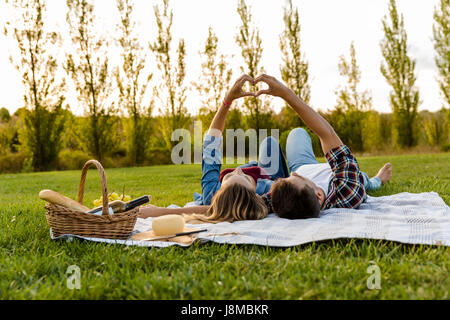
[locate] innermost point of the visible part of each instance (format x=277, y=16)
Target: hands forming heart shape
x=276, y=88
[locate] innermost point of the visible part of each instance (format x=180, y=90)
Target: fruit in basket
x=97, y=202
x=112, y=197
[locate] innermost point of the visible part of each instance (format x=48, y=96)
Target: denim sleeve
x=211, y=164
x=263, y=186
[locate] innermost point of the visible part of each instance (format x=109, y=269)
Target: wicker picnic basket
x=64, y=221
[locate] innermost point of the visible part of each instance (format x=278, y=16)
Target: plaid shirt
x=346, y=189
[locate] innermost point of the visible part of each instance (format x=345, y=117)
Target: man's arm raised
x=328, y=137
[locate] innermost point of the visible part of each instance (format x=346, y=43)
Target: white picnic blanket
x=422, y=218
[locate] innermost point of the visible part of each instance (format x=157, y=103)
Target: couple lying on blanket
x=252, y=191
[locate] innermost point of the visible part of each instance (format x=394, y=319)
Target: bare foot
x=385, y=173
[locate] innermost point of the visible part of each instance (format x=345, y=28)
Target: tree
x=37, y=63
x=351, y=104
x=4, y=115
x=251, y=50
x=371, y=133
x=172, y=90
x=398, y=70
x=89, y=69
x=215, y=79
x=441, y=37
x=294, y=70
x=132, y=82
x=9, y=132
x=436, y=127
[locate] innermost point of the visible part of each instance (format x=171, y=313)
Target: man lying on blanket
x=311, y=186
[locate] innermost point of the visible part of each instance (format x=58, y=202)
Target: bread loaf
x=59, y=199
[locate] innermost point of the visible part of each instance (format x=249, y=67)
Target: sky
x=327, y=29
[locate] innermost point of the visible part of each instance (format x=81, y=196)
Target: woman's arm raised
x=236, y=92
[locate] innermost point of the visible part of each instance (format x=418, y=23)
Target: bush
x=156, y=156
x=27, y=165
x=72, y=159
x=12, y=162
x=445, y=147
x=283, y=140
x=116, y=162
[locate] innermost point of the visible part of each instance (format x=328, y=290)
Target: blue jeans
x=299, y=152
x=271, y=159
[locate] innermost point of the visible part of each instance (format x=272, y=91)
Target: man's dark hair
x=291, y=202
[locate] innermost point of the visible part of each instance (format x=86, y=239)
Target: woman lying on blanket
x=251, y=191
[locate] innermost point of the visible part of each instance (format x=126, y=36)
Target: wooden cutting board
x=182, y=239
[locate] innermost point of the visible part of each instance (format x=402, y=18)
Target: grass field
x=34, y=267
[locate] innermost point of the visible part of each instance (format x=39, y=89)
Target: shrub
x=157, y=156
x=12, y=162
x=445, y=147
x=72, y=159
x=27, y=165
x=283, y=139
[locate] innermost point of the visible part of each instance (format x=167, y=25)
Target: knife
x=173, y=236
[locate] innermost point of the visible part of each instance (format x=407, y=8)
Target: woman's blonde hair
x=235, y=202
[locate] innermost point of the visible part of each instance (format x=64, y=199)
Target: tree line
x=121, y=126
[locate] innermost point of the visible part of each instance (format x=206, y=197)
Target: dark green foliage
x=72, y=159
x=264, y=120
x=43, y=136
x=376, y=131
x=287, y=119
x=235, y=119
x=398, y=70
x=445, y=147
x=436, y=127
x=9, y=134
x=4, y=115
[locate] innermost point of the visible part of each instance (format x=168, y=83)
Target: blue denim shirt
x=211, y=165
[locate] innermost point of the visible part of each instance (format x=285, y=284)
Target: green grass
x=34, y=267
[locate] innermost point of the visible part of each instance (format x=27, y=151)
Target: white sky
x=328, y=27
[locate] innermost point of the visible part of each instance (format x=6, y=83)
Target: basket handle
x=104, y=184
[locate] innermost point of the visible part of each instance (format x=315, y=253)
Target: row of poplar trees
x=95, y=79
